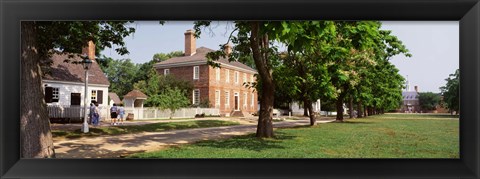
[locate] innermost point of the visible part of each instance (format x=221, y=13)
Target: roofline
x=181, y=64
x=75, y=83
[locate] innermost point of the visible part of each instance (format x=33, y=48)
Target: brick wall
x=208, y=84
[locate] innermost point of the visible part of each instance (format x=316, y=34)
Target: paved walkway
x=122, y=145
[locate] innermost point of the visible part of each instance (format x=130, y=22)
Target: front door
x=236, y=101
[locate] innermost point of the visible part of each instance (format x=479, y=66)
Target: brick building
x=222, y=87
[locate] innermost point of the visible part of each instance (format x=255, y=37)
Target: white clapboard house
x=64, y=86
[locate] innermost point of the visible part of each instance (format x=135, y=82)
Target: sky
x=434, y=46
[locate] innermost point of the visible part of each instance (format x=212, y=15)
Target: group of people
x=116, y=113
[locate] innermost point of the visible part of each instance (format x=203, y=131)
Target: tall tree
x=252, y=39
x=451, y=92
x=121, y=75
x=39, y=40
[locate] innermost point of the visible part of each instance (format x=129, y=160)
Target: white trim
x=198, y=70
x=166, y=71
x=236, y=75
x=245, y=101
x=217, y=98
x=244, y=77
x=227, y=101
x=237, y=94
x=180, y=64
x=193, y=100
x=75, y=83
x=252, y=103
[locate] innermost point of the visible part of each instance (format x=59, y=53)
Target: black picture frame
x=465, y=11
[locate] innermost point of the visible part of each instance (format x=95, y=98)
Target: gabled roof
x=200, y=57
x=115, y=98
x=135, y=94
x=63, y=71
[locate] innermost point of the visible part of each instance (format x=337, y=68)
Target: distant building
x=410, y=102
x=222, y=88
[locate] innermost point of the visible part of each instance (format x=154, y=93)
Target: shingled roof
x=135, y=94
x=69, y=72
x=200, y=56
x=115, y=98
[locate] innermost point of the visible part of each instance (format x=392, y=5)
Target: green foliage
x=170, y=98
x=428, y=100
x=71, y=36
x=451, y=92
x=121, y=75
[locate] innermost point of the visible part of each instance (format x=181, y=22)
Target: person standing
x=113, y=113
x=96, y=115
x=121, y=113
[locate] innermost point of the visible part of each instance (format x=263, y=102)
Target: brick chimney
x=416, y=89
x=228, y=49
x=190, y=48
x=89, y=50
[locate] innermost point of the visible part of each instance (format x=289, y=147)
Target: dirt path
x=122, y=145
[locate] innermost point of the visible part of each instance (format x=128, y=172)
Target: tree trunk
x=258, y=42
x=313, y=121
x=305, y=107
x=365, y=111
x=359, y=109
x=340, y=107
x=35, y=135
x=350, y=107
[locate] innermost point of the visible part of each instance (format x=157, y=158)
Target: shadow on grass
x=248, y=142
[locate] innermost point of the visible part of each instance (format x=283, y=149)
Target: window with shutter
x=100, y=97
x=48, y=94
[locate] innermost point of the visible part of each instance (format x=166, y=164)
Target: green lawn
x=156, y=127
x=382, y=136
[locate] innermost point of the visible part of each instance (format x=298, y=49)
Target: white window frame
x=235, y=77
x=238, y=101
x=217, y=74
x=245, y=100
x=56, y=93
x=227, y=79
x=93, y=97
x=195, y=97
x=252, y=103
x=166, y=71
x=251, y=78
x=217, y=98
x=244, y=77
x=227, y=99
x=196, y=72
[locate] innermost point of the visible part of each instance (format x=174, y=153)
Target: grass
x=382, y=136
x=155, y=127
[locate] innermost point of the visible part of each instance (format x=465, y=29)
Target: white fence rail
x=73, y=112
x=77, y=112
x=155, y=113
